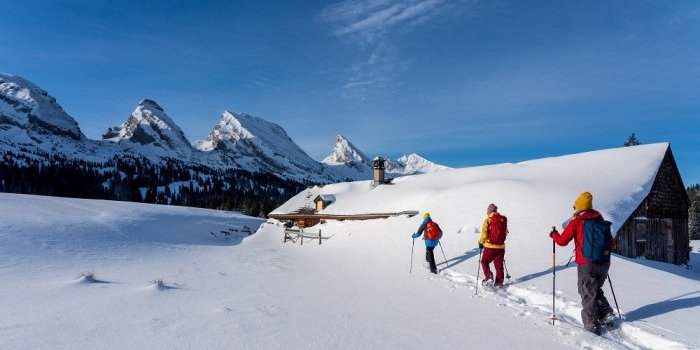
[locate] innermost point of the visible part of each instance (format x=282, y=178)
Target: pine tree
x=632, y=140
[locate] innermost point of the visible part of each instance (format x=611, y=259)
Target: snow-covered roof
x=537, y=192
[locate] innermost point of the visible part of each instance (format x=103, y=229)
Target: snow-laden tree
x=632, y=140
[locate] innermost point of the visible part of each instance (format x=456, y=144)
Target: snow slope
x=536, y=195
x=255, y=292
x=237, y=292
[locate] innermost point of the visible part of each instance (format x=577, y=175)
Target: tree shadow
x=665, y=306
x=459, y=259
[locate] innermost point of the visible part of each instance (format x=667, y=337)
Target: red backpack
x=432, y=231
x=498, y=229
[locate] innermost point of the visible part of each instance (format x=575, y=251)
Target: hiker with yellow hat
x=431, y=235
x=594, y=242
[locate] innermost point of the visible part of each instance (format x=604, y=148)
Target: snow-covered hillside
x=535, y=195
x=80, y=274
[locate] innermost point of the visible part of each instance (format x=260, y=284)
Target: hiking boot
x=607, y=318
x=487, y=281
x=498, y=284
x=597, y=330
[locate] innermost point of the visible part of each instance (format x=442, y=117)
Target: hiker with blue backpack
x=594, y=242
x=431, y=235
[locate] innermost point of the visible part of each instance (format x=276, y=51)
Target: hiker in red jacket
x=492, y=241
x=594, y=242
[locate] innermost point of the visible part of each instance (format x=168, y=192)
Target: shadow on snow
x=662, y=307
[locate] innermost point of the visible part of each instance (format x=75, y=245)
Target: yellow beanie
x=583, y=202
x=426, y=215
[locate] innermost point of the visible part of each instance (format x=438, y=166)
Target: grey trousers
x=591, y=278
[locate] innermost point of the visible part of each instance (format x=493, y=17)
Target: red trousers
x=496, y=256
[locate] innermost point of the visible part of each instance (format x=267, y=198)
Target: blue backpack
x=597, y=236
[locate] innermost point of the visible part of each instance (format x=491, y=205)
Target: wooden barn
x=658, y=228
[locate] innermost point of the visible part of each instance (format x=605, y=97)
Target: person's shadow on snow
x=458, y=259
x=665, y=306
x=542, y=273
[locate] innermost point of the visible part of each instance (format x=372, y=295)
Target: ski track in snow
x=533, y=304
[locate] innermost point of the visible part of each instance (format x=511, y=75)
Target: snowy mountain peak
x=258, y=145
x=148, y=124
x=26, y=106
x=344, y=152
x=227, y=131
x=148, y=103
x=414, y=163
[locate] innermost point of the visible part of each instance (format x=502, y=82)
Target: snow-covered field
x=243, y=291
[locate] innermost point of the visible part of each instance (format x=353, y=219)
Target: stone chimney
x=378, y=169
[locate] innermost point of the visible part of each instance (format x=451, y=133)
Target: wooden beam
x=370, y=216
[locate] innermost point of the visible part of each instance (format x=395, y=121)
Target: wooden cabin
x=658, y=228
x=304, y=218
x=323, y=200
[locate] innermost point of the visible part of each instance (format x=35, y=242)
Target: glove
x=481, y=245
x=554, y=230
x=415, y=235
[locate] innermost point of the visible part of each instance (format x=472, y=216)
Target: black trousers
x=591, y=278
x=430, y=257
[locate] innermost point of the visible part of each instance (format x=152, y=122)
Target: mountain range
x=35, y=131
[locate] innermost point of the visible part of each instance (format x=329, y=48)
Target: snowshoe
x=597, y=330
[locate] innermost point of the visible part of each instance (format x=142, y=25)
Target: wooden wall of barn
x=658, y=229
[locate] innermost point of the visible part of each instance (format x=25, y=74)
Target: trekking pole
x=619, y=315
x=443, y=254
x=554, y=278
x=505, y=265
x=412, y=246
x=569, y=262
x=478, y=269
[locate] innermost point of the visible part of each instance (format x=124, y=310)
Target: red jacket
x=574, y=230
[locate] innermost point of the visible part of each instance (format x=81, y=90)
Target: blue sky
x=462, y=82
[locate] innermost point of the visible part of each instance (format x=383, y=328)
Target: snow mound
x=88, y=278
x=536, y=193
x=160, y=285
